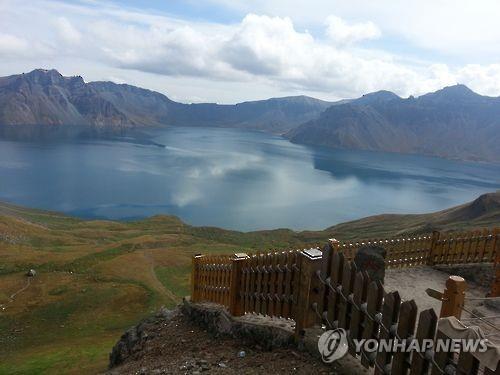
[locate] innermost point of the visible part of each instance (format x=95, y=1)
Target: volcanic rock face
x=45, y=97
x=453, y=122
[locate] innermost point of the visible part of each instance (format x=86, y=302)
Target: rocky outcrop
x=46, y=97
x=453, y=122
x=202, y=338
x=371, y=259
x=268, y=333
x=133, y=340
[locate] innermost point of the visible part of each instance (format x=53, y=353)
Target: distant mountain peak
x=453, y=92
x=44, y=76
x=47, y=72
x=377, y=96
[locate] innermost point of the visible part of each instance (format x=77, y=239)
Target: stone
x=31, y=273
x=268, y=334
x=372, y=260
x=242, y=354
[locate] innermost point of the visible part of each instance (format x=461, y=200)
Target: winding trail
x=28, y=283
x=158, y=283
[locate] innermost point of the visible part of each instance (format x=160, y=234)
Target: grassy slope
x=96, y=278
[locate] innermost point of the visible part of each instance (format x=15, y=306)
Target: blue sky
x=230, y=51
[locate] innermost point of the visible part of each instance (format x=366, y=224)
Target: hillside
x=96, y=278
x=45, y=97
x=453, y=122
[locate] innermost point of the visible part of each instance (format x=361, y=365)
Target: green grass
x=74, y=357
x=97, y=278
x=175, y=279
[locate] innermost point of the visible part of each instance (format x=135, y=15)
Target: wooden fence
x=436, y=248
x=316, y=287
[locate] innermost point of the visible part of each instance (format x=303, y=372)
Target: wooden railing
x=436, y=248
x=316, y=287
x=211, y=278
x=400, y=252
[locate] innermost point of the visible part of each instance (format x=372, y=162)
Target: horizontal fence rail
x=211, y=278
x=325, y=287
x=470, y=247
x=400, y=252
x=436, y=248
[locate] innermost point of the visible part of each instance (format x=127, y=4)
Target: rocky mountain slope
x=453, y=122
x=45, y=97
x=480, y=213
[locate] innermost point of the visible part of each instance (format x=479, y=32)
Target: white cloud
x=259, y=56
x=459, y=28
x=67, y=31
x=12, y=44
x=485, y=79
x=340, y=32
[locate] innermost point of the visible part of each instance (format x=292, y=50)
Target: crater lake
x=230, y=178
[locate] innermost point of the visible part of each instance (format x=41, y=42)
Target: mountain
x=484, y=211
x=453, y=122
x=45, y=97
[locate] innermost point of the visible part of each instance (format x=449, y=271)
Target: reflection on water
x=233, y=179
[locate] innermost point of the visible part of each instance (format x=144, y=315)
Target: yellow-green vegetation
x=97, y=278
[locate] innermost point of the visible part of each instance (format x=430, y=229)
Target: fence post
x=195, y=278
x=334, y=244
x=495, y=287
x=310, y=291
x=453, y=297
x=432, y=252
x=236, y=307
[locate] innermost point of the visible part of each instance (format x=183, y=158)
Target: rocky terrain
x=45, y=97
x=172, y=343
x=453, y=122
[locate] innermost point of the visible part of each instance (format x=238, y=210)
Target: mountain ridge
x=453, y=122
x=45, y=97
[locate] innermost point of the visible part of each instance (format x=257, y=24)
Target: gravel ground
x=180, y=347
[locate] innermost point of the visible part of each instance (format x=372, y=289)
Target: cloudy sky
x=228, y=51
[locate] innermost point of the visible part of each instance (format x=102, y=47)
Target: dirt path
x=411, y=283
x=159, y=285
x=28, y=283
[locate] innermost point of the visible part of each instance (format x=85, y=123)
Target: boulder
x=31, y=273
x=372, y=260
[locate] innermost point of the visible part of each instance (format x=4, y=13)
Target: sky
x=228, y=51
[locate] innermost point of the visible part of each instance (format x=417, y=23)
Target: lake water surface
x=232, y=179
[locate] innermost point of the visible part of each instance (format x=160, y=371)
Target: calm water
x=232, y=179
